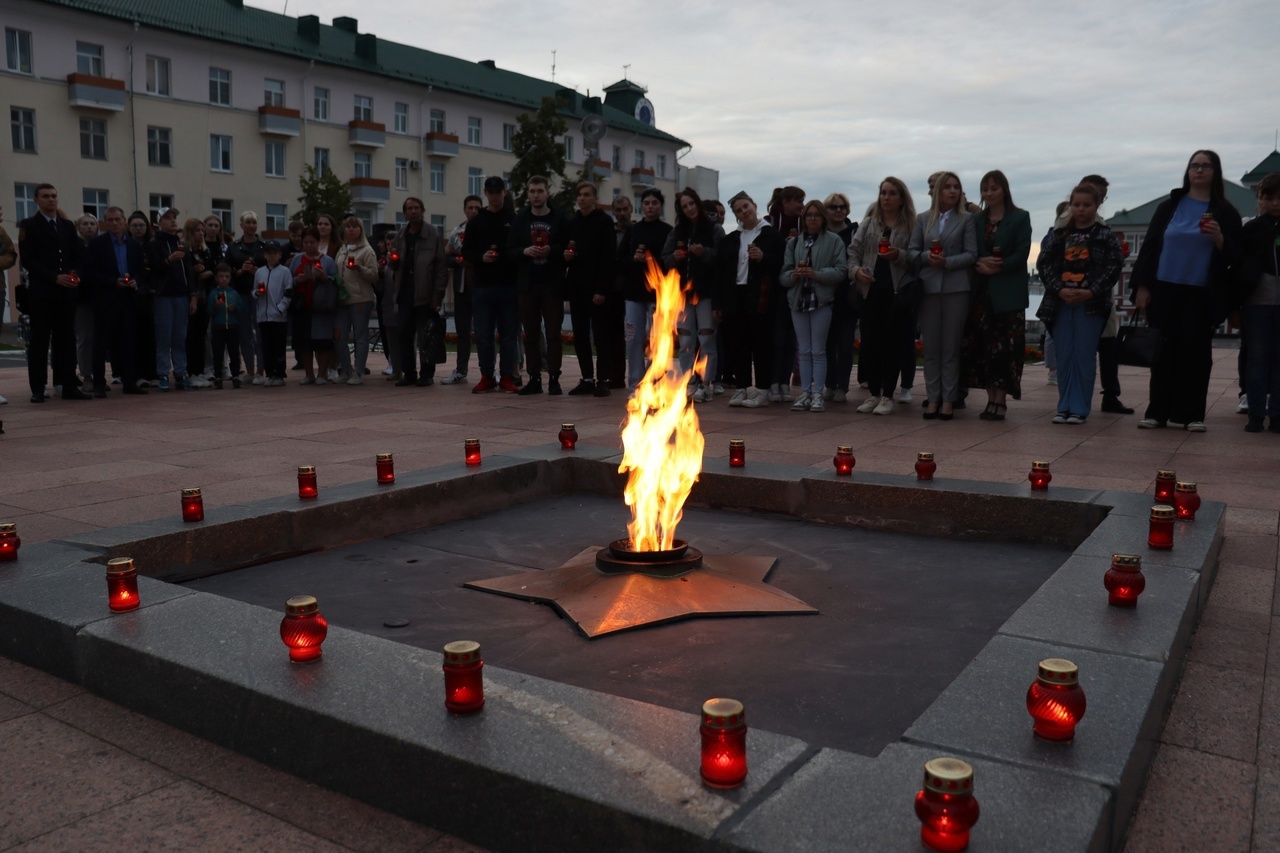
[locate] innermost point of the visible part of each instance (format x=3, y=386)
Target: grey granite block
x=542, y=764
x=841, y=801
x=1195, y=543
x=555, y=453
x=42, y=558
x=759, y=486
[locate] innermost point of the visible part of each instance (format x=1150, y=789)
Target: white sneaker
x=786, y=393
x=320, y=380
x=454, y=378
x=115, y=380
x=869, y=405
x=862, y=385
x=1062, y=419
x=775, y=393
x=755, y=398
x=142, y=383
x=1197, y=426
x=804, y=401
x=259, y=379
x=885, y=407
x=1148, y=423
x=1243, y=407
x=354, y=380
x=1075, y=420
x=3, y=401
x=904, y=395
x=276, y=383
x=817, y=404
x=1053, y=377
x=739, y=398
x=387, y=371
x=702, y=395
x=839, y=396
x=717, y=388
x=333, y=375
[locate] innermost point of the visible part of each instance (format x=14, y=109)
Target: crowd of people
x=782, y=309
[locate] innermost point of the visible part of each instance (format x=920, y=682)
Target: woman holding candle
x=315, y=303
x=844, y=309
x=327, y=227
x=813, y=265
x=358, y=267
x=200, y=263
x=879, y=268
x=690, y=249
x=1079, y=268
x=1181, y=278
x=943, y=247
x=997, y=342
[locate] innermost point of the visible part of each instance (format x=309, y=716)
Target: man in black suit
x=51, y=253
x=113, y=265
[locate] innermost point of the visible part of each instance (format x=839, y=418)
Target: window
x=93, y=139
x=157, y=76
x=617, y=158
x=222, y=208
x=219, y=153
x=273, y=92
x=402, y=173
x=437, y=221
x=568, y=149
x=157, y=203
x=400, y=220
x=437, y=121
x=95, y=202
x=475, y=133
x=639, y=159
x=23, y=122
x=321, y=160
x=17, y=50
x=89, y=59
x=662, y=165
x=277, y=217
x=364, y=108
x=24, y=197
x=320, y=111
x=437, y=178
x=220, y=87
x=475, y=181
x=364, y=165
x=159, y=146
x=508, y=136
x=275, y=160
x=401, y=118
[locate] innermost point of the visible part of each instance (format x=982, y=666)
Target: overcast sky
x=836, y=95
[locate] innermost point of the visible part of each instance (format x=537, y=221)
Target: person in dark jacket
x=246, y=256
x=590, y=257
x=690, y=250
x=1260, y=281
x=418, y=283
x=113, y=267
x=175, y=300
x=640, y=244
x=536, y=247
x=495, y=305
x=1182, y=279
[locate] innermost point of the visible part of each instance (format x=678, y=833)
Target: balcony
x=99, y=93
x=642, y=178
x=441, y=144
x=368, y=134
x=278, y=121
x=601, y=170
x=370, y=190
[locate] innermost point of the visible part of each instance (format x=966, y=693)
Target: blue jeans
x=1076, y=335
x=495, y=307
x=353, y=324
x=1262, y=373
x=171, y=335
x=811, y=342
x=697, y=322
x=636, y=321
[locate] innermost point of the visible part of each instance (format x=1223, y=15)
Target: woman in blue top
x=1181, y=279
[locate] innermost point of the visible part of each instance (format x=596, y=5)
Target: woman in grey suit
x=944, y=245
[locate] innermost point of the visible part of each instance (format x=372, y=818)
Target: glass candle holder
x=386, y=468
x=122, y=585
x=1124, y=580
x=463, y=677
x=843, y=460
x=192, y=505
x=9, y=542
x=1039, y=476
x=1055, y=700
x=1166, y=481
x=737, y=452
x=997, y=252
x=1160, y=528
x=307, y=488
x=946, y=805
x=303, y=629
x=351, y=262
x=1186, y=501
x=883, y=247
x=568, y=437
x=471, y=451
x=935, y=247
x=925, y=466
x=724, y=743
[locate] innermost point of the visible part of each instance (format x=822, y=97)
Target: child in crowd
x=225, y=308
x=272, y=292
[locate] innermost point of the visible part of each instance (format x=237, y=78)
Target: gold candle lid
x=844, y=448
x=737, y=442
x=924, y=456
x=306, y=469
x=723, y=714
x=566, y=426
x=384, y=457
x=462, y=651
x=1185, y=486
x=1126, y=562
x=1165, y=474
x=302, y=605
x=471, y=442
x=1058, y=671
x=8, y=527
x=191, y=493
x=1039, y=466
x=1161, y=512
x=948, y=776
x=121, y=566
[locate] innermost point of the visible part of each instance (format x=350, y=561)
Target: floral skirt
x=995, y=346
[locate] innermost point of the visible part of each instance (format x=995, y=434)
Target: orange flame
x=661, y=441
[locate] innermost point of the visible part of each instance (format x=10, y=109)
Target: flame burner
x=621, y=557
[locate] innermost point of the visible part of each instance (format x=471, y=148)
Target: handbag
x=1138, y=346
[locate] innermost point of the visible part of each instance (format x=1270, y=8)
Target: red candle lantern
x=386, y=469
x=395, y=257
x=9, y=542
x=1039, y=476
x=737, y=452
x=883, y=248
x=1124, y=580
x=192, y=505
x=262, y=289
x=925, y=466
x=1186, y=501
x=122, y=585
x=1160, y=528
x=463, y=677
x=307, y=488
x=471, y=451
x=844, y=460
x=568, y=437
x=351, y=262
x=935, y=247
x=1055, y=700
x=1166, y=481
x=572, y=248
x=72, y=277
x=724, y=743
x=997, y=252
x=303, y=629
x=946, y=807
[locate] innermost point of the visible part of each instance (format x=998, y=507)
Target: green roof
x=230, y=21
x=1269, y=164
x=1244, y=200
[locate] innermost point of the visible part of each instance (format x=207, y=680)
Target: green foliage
x=538, y=147
x=321, y=194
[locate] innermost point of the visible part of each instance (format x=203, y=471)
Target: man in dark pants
x=495, y=306
x=51, y=252
x=590, y=259
x=746, y=289
x=113, y=266
x=420, y=278
x=537, y=246
x=462, y=281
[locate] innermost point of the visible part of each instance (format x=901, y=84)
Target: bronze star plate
x=599, y=603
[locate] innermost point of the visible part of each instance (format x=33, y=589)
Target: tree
x=538, y=147
x=322, y=193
